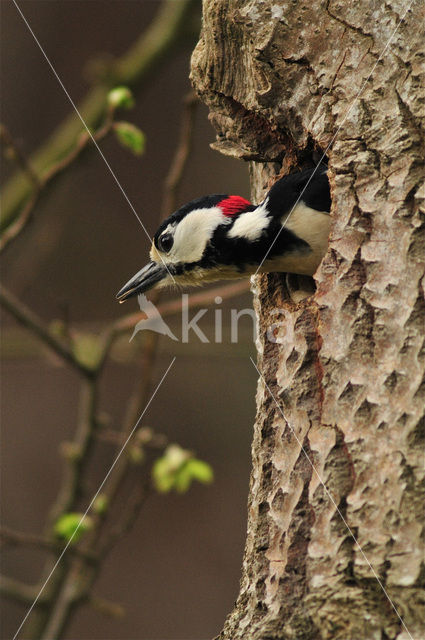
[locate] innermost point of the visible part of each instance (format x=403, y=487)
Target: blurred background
x=176, y=572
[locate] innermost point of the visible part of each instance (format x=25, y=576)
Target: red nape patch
x=233, y=204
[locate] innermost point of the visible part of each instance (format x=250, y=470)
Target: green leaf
x=183, y=479
x=70, y=526
x=162, y=476
x=101, y=504
x=130, y=136
x=136, y=454
x=87, y=348
x=200, y=470
x=176, y=469
x=165, y=469
x=120, y=98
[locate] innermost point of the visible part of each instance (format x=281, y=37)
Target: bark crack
x=347, y=24
x=414, y=121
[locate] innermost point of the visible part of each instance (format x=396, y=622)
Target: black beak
x=144, y=280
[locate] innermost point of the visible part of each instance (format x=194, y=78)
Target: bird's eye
x=165, y=242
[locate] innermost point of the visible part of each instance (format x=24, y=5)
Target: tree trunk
x=333, y=549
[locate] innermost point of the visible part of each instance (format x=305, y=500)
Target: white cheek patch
x=193, y=233
x=250, y=225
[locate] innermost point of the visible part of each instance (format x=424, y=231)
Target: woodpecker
x=223, y=236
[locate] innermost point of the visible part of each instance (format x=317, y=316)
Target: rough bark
x=281, y=79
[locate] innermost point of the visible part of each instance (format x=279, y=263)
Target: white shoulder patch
x=250, y=225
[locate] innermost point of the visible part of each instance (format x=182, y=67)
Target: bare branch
x=78, y=453
x=133, y=69
x=28, y=319
x=77, y=578
x=178, y=164
x=173, y=307
x=106, y=607
x=19, y=591
x=18, y=538
x=125, y=524
x=41, y=183
x=16, y=154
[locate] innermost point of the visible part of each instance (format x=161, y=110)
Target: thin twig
x=148, y=355
x=18, y=156
x=31, y=321
x=73, y=578
x=78, y=454
x=133, y=506
x=146, y=438
x=77, y=579
x=41, y=183
x=150, y=346
x=19, y=591
x=106, y=607
x=18, y=538
x=175, y=173
x=155, y=45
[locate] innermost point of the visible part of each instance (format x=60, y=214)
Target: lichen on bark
x=342, y=386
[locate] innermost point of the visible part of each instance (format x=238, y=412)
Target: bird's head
x=222, y=237
x=198, y=243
